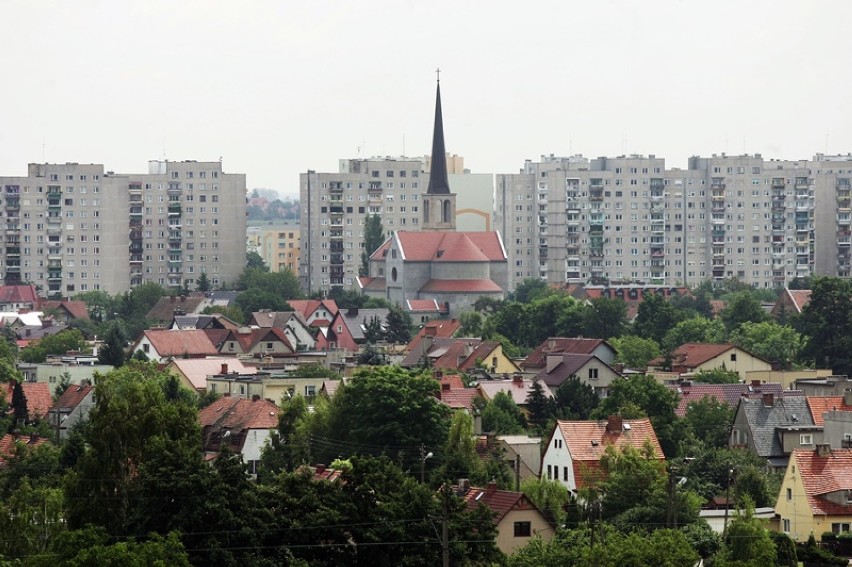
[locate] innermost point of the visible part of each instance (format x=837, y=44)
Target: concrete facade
x=71, y=228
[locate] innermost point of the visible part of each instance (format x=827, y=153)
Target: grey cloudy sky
x=276, y=88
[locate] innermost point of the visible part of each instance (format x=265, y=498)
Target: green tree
x=374, y=237
x=538, y=408
x=21, y=414
x=142, y=455
x=530, y=290
x=826, y=322
x=470, y=324
x=398, y=326
x=203, y=283
x=574, y=399
x=459, y=458
x=502, y=416
x=655, y=318
x=709, y=420
x=288, y=446
x=99, y=304
x=743, y=307
x=232, y=312
x=633, y=351
x=719, y=375
x=549, y=496
x=113, y=351
x=60, y=343
x=747, y=541
x=694, y=330
x=31, y=517
x=366, y=413
x=254, y=299
x=373, y=331
x=652, y=399
x=254, y=261
x=606, y=318
x=776, y=343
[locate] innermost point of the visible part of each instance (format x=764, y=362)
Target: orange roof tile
x=72, y=396
x=692, y=355
x=426, y=305
x=19, y=294
x=239, y=414
x=197, y=370
x=501, y=502
x=8, y=441
x=38, y=396
x=423, y=246
x=800, y=298
x=821, y=404
x=587, y=441
x=77, y=309
x=824, y=475
x=459, y=398
x=438, y=328
x=555, y=345
x=192, y=342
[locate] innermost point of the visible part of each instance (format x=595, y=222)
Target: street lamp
x=423, y=456
x=727, y=502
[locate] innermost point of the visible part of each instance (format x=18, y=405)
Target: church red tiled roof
x=460, y=286
x=456, y=246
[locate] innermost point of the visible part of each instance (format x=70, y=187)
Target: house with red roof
x=790, y=302
x=291, y=322
x=691, y=358
x=315, y=311
x=423, y=310
x=518, y=388
x=65, y=311
x=537, y=359
x=19, y=297
x=588, y=368
x=816, y=493
x=336, y=336
x=730, y=394
x=38, y=397
x=243, y=425
x=162, y=345
x=575, y=448
x=435, y=329
x=518, y=520
x=461, y=354
x=193, y=372
x=72, y=408
x=257, y=342
x=10, y=444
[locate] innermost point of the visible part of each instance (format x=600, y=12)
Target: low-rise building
x=691, y=358
x=243, y=425
x=590, y=369
x=772, y=427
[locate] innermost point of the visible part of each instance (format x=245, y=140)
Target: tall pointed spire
x=439, y=183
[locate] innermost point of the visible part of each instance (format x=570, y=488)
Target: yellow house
x=517, y=518
x=464, y=354
x=816, y=493
x=690, y=358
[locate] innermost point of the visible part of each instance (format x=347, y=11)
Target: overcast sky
x=276, y=88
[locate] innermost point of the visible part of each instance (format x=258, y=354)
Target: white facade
x=557, y=463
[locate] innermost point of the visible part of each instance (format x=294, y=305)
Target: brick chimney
x=255, y=398
x=847, y=398
x=614, y=424
x=491, y=487
x=320, y=468
x=224, y=369
x=768, y=399
x=518, y=380
x=463, y=487
x=823, y=450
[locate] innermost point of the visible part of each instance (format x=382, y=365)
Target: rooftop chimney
x=518, y=380
x=463, y=487
x=614, y=424
x=224, y=369
x=445, y=386
x=847, y=398
x=491, y=487
x=768, y=399
x=320, y=468
x=255, y=398
x=823, y=450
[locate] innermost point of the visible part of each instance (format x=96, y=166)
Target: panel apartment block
x=71, y=228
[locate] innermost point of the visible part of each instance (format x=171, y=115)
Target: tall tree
x=742, y=308
x=694, y=330
x=113, y=351
x=655, y=317
x=19, y=405
x=633, y=351
x=606, y=318
x=538, y=408
x=254, y=261
x=398, y=326
x=826, y=321
x=459, y=458
x=574, y=399
x=203, y=283
x=776, y=343
x=374, y=236
x=503, y=416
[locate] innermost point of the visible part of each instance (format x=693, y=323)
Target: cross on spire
x=438, y=72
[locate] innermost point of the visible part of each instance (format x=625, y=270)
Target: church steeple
x=439, y=204
x=439, y=183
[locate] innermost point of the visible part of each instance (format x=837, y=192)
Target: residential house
x=263, y=385
x=518, y=388
x=435, y=329
x=72, y=408
x=336, y=336
x=456, y=396
x=167, y=308
x=19, y=298
x=518, y=520
x=772, y=427
x=315, y=312
x=834, y=415
x=575, y=448
x=816, y=493
x=563, y=345
x=193, y=372
x=461, y=354
x=196, y=321
x=39, y=398
x=9, y=445
x=163, y=345
x=258, y=342
x=423, y=310
x=525, y=448
x=691, y=358
x=790, y=303
x=243, y=425
x=790, y=378
x=65, y=310
x=588, y=368
x=357, y=320
x=730, y=394
x=291, y=322
x=824, y=386
x=78, y=371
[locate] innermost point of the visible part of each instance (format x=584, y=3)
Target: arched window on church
x=426, y=210
x=445, y=216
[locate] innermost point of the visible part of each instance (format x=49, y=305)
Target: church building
x=438, y=263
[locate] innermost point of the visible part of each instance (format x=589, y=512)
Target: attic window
x=595, y=443
x=440, y=253
x=733, y=357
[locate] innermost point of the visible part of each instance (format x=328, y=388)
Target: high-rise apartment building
x=630, y=219
x=277, y=244
x=71, y=228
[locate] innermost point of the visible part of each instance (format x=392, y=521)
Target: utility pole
x=445, y=525
x=517, y=473
x=727, y=503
